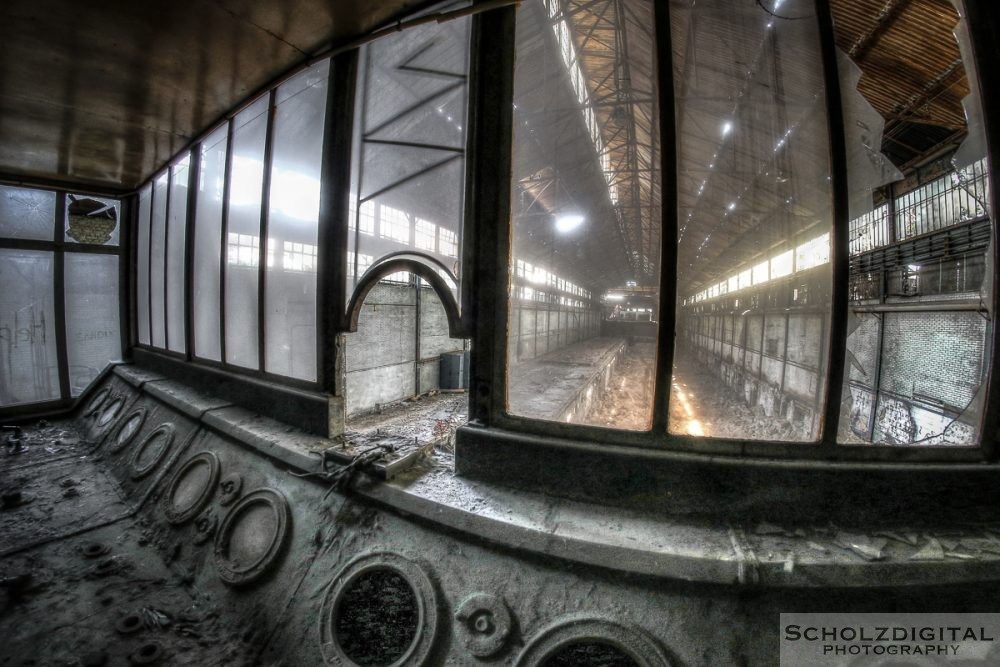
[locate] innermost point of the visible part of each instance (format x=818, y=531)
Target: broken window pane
x=917, y=352
x=92, y=321
x=92, y=220
x=27, y=213
x=754, y=201
x=29, y=367
x=584, y=215
x=293, y=224
x=242, y=260
x=410, y=133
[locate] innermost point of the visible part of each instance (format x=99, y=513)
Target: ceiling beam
x=885, y=19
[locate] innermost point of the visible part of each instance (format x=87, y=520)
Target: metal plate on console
x=191, y=487
x=152, y=450
x=252, y=536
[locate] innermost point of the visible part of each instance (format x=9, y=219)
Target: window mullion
x=194, y=175
x=668, y=216
x=227, y=178
x=265, y=206
x=839, y=235
x=59, y=295
x=487, y=207
x=334, y=216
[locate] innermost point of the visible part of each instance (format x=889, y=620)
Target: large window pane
x=754, y=200
x=176, y=236
x=292, y=225
x=158, y=262
x=410, y=134
x=29, y=369
x=243, y=234
x=92, y=220
x=26, y=213
x=918, y=329
x=92, y=322
x=208, y=247
x=585, y=214
x=142, y=265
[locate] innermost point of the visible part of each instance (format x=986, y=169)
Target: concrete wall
x=915, y=382
x=382, y=356
x=772, y=360
x=537, y=328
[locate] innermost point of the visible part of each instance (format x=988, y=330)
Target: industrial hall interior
x=513, y=333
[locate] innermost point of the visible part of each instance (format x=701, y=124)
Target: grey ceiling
x=105, y=92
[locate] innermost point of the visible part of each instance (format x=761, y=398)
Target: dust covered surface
x=628, y=403
x=427, y=422
x=712, y=409
x=84, y=582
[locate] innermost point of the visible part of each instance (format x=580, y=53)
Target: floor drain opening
x=129, y=624
x=95, y=549
x=147, y=654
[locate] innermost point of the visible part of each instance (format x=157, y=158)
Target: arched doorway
x=405, y=371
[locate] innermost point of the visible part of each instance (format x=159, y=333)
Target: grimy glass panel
x=142, y=265
x=243, y=234
x=918, y=328
x=176, y=234
x=27, y=213
x=292, y=227
x=755, y=215
x=92, y=220
x=407, y=192
x=92, y=321
x=158, y=263
x=585, y=215
x=208, y=247
x=29, y=369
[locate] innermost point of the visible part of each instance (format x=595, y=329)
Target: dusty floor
x=429, y=420
x=702, y=405
x=629, y=403
x=540, y=388
x=83, y=582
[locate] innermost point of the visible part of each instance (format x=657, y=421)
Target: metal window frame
x=334, y=208
x=359, y=137
x=193, y=152
x=984, y=31
x=488, y=197
x=58, y=247
x=485, y=259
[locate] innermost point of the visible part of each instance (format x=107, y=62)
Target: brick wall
x=936, y=356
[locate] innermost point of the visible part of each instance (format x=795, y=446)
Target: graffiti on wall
x=24, y=347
